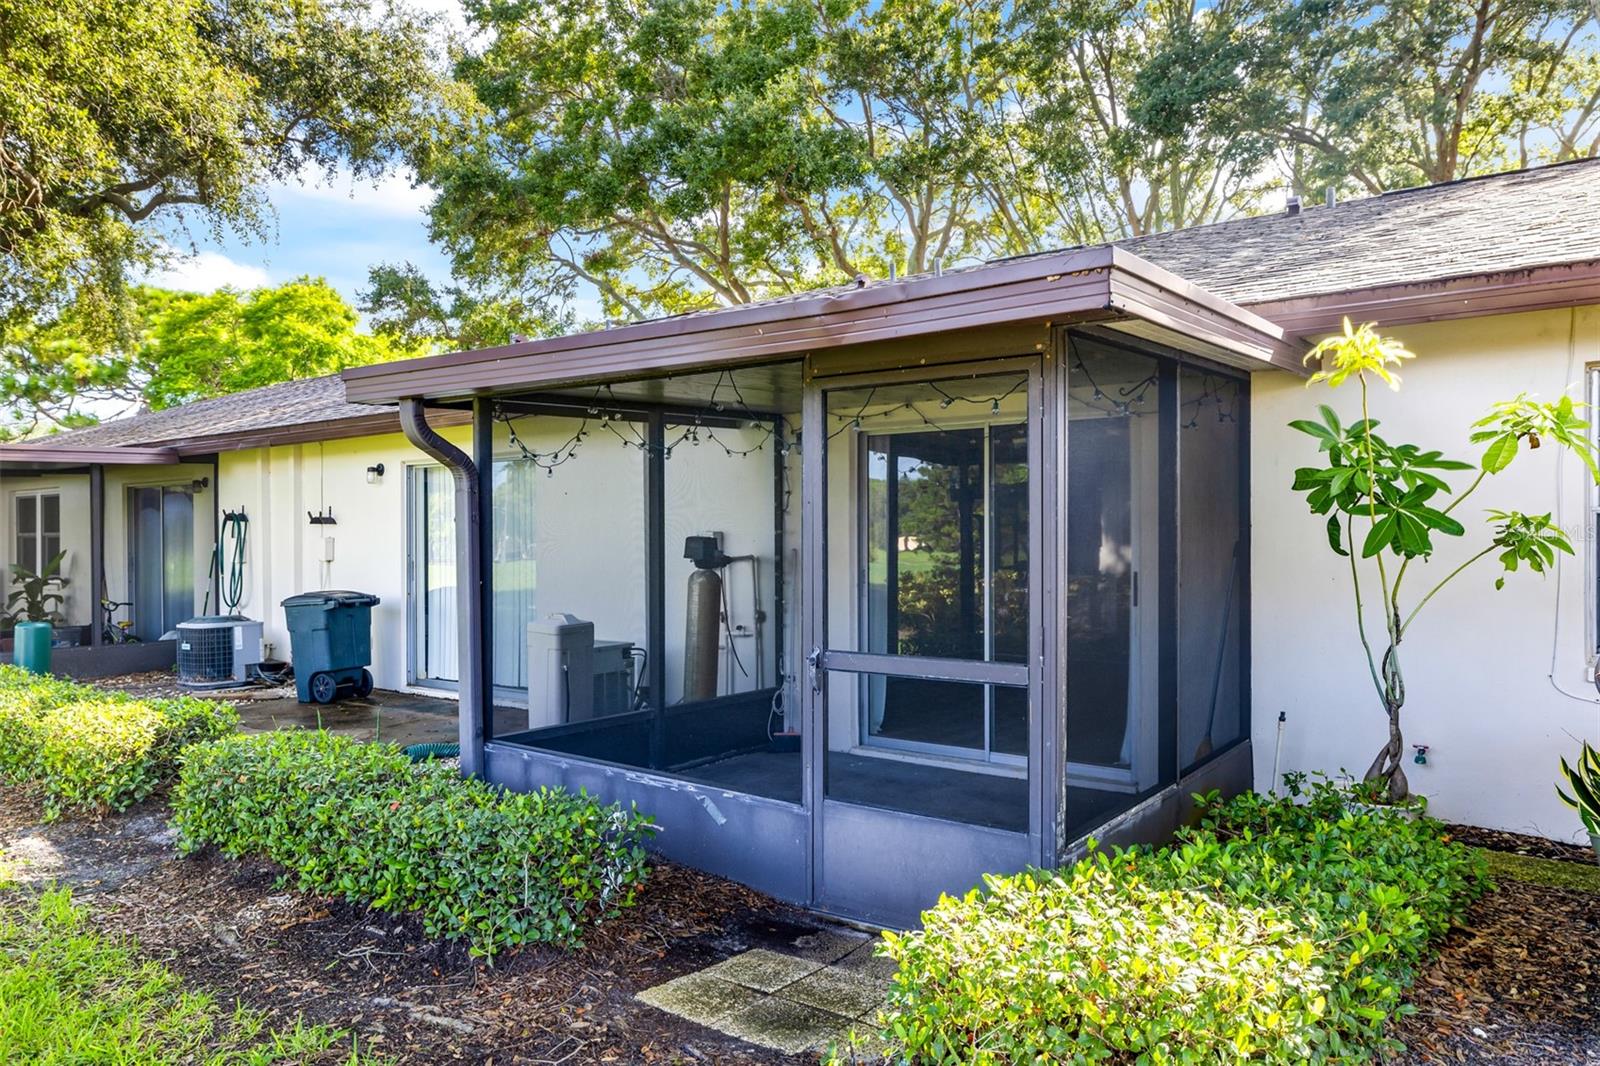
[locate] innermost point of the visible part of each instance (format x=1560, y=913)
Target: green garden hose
x=235, y=527
x=422, y=752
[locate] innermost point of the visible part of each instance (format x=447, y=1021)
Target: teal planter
x=32, y=648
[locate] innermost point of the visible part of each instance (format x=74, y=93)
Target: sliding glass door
x=432, y=577
x=160, y=559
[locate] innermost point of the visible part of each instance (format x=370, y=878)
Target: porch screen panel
x=1118, y=735
x=928, y=526
x=569, y=630
x=724, y=701
x=1211, y=564
x=515, y=569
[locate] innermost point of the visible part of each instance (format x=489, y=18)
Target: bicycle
x=112, y=631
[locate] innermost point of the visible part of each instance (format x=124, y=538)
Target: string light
x=631, y=437
x=1136, y=395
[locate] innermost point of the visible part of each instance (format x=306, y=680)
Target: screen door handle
x=814, y=669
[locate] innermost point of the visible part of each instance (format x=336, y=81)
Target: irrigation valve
x=1421, y=757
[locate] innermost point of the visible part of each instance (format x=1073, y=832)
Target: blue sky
x=334, y=229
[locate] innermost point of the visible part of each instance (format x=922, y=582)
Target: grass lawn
x=69, y=994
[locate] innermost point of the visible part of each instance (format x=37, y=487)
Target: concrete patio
x=402, y=718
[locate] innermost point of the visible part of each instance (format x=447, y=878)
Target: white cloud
x=207, y=271
x=392, y=196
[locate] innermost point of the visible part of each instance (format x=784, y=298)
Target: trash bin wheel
x=364, y=685
x=323, y=688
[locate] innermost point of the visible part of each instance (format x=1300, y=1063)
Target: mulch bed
x=1521, y=844
x=1518, y=983
x=151, y=684
x=230, y=928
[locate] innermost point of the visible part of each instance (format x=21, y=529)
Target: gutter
x=473, y=685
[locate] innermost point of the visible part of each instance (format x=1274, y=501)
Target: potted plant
x=1584, y=780
x=1385, y=502
x=34, y=608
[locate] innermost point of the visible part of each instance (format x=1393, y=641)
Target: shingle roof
x=291, y=403
x=1504, y=222
x=1499, y=223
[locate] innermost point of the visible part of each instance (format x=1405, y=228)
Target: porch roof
x=1105, y=284
x=310, y=409
x=32, y=459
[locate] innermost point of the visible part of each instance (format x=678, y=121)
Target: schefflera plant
x=1386, y=502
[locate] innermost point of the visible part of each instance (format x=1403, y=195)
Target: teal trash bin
x=31, y=647
x=330, y=641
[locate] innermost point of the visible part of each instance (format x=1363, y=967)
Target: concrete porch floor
x=397, y=717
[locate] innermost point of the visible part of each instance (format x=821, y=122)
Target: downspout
x=216, y=530
x=472, y=685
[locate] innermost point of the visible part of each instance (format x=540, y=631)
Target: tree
x=187, y=346
x=1406, y=93
x=1148, y=115
x=120, y=123
x=403, y=305
x=1384, y=505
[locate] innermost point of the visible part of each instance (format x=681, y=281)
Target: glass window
x=37, y=528
x=28, y=531
x=49, y=527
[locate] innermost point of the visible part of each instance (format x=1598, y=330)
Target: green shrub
x=1096, y=965
x=88, y=749
x=363, y=822
x=1275, y=931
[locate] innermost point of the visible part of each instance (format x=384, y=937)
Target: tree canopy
x=674, y=154
x=122, y=123
x=186, y=346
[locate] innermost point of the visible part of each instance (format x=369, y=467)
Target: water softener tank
x=701, y=636
x=704, y=617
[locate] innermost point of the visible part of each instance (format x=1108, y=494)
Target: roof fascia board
x=755, y=315
x=311, y=432
x=1043, y=288
x=1234, y=334
x=1463, y=296
x=48, y=455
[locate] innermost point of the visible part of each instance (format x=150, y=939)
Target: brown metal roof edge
x=1538, y=288
x=40, y=453
x=802, y=305
x=1048, y=286
x=312, y=432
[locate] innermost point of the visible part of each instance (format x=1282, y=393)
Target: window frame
x=1591, y=564
x=39, y=534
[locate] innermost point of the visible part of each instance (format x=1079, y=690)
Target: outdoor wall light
x=374, y=473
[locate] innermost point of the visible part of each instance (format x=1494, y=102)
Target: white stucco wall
x=1478, y=663
x=74, y=492
x=277, y=487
